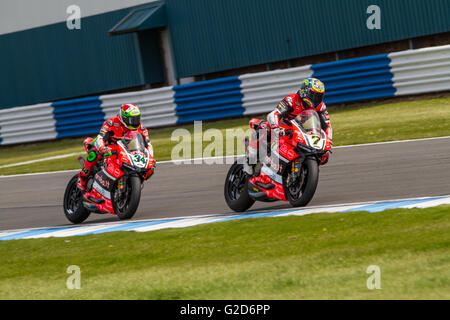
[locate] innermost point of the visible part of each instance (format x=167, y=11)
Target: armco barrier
x=355, y=79
x=345, y=81
x=206, y=100
x=422, y=70
x=378, y=76
x=27, y=124
x=78, y=117
x=157, y=105
x=262, y=91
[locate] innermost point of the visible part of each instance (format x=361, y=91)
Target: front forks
x=294, y=172
x=121, y=183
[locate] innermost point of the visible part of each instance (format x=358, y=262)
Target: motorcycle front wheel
x=300, y=191
x=236, y=189
x=73, y=202
x=126, y=201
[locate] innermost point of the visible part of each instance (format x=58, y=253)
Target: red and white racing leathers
x=115, y=128
x=95, y=148
x=290, y=107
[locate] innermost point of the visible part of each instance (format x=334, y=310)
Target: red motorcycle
x=287, y=170
x=114, y=184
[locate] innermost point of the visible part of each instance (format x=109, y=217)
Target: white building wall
x=18, y=15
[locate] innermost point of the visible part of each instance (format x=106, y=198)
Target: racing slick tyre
x=300, y=192
x=236, y=189
x=126, y=202
x=73, y=205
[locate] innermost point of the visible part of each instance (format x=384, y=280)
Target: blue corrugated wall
x=78, y=117
x=356, y=79
x=207, y=100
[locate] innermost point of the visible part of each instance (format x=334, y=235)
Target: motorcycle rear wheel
x=126, y=208
x=73, y=202
x=236, y=189
x=308, y=187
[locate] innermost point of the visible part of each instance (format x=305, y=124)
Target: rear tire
x=128, y=209
x=236, y=189
x=309, y=185
x=73, y=202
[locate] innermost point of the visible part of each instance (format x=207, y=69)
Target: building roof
x=149, y=16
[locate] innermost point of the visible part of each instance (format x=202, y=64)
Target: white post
x=168, y=57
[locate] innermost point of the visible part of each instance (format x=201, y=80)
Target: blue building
x=48, y=54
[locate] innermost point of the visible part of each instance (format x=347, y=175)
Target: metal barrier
x=422, y=70
x=157, y=105
x=206, y=100
x=78, y=117
x=355, y=79
x=378, y=76
x=27, y=124
x=262, y=91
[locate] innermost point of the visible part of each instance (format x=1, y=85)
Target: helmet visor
x=133, y=122
x=315, y=97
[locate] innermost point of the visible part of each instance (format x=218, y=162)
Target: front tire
x=73, y=202
x=236, y=189
x=301, y=193
x=126, y=204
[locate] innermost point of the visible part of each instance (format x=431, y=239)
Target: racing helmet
x=130, y=116
x=311, y=92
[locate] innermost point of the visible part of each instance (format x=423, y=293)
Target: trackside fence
x=378, y=76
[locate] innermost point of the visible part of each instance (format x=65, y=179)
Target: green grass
x=353, y=125
x=319, y=256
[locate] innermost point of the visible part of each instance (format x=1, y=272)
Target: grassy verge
x=362, y=124
x=320, y=256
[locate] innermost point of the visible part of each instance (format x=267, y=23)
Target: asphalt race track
x=360, y=173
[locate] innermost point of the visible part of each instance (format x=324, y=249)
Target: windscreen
x=134, y=142
x=309, y=121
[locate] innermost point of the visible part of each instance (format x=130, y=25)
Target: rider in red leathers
x=310, y=96
x=128, y=119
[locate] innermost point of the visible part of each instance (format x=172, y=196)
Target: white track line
x=38, y=173
x=101, y=225
x=205, y=219
x=40, y=160
x=389, y=142
x=92, y=226
x=201, y=160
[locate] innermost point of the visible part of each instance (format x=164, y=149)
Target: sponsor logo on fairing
x=270, y=173
x=102, y=191
x=103, y=182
